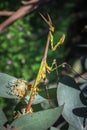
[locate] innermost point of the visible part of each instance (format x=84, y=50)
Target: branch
x=79, y=78
x=6, y=13
x=22, y=11
x=29, y=2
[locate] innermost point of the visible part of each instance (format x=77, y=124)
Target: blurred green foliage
x=22, y=44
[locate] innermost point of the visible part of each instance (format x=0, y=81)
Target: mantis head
x=49, y=22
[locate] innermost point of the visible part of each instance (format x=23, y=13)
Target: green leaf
x=53, y=128
x=70, y=97
x=51, y=91
x=39, y=120
x=5, y=79
x=3, y=119
x=37, y=99
x=48, y=104
x=71, y=128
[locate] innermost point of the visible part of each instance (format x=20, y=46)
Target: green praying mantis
x=44, y=66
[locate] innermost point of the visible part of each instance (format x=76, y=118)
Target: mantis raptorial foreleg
x=58, y=43
x=51, y=30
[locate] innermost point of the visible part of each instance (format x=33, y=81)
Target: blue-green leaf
x=39, y=120
x=71, y=128
x=3, y=119
x=53, y=128
x=5, y=89
x=5, y=79
x=37, y=99
x=70, y=97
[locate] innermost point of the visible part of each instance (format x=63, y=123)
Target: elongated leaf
x=71, y=128
x=39, y=120
x=38, y=99
x=49, y=104
x=4, y=85
x=71, y=98
x=3, y=119
x=1, y=126
x=5, y=79
x=53, y=128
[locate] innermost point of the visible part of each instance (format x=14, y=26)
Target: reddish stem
x=34, y=87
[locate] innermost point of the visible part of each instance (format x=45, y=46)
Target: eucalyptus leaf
x=37, y=99
x=49, y=104
x=53, y=128
x=1, y=127
x=71, y=128
x=5, y=79
x=39, y=120
x=3, y=119
x=71, y=98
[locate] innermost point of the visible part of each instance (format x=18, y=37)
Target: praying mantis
x=44, y=66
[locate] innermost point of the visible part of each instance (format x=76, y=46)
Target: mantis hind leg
x=47, y=93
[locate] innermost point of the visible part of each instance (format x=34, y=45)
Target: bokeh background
x=22, y=44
